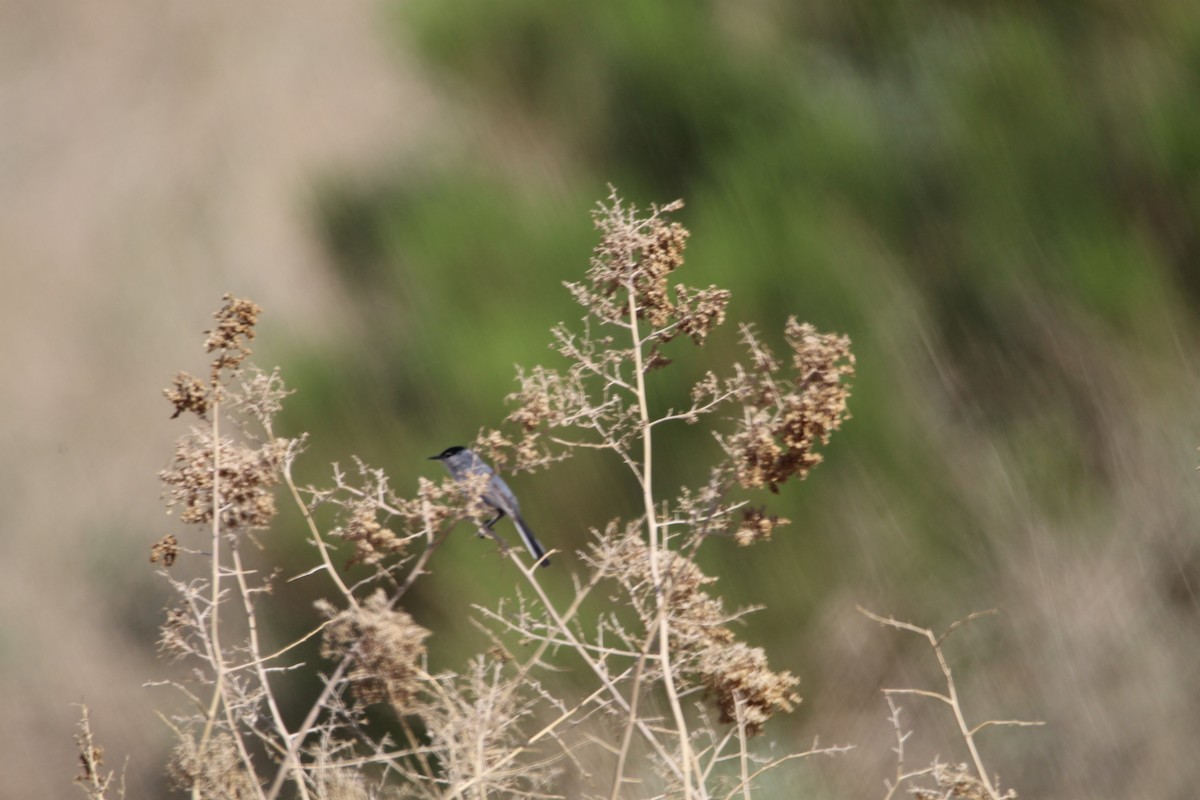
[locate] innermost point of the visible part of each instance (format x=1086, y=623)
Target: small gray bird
x=464, y=463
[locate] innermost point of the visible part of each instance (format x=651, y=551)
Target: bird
x=462, y=464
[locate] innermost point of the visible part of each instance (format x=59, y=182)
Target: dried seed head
x=387, y=647
x=244, y=475
x=187, y=393
x=784, y=421
x=165, y=549
x=372, y=542
x=700, y=310
x=958, y=782
x=734, y=675
x=218, y=771
x=757, y=526
x=235, y=328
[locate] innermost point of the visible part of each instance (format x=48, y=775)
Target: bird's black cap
x=449, y=451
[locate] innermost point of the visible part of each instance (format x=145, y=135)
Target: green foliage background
x=997, y=201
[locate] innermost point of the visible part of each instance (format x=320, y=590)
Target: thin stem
x=315, y=532
x=214, y=629
x=608, y=683
x=252, y=627
x=743, y=759
x=664, y=626
x=627, y=736
x=951, y=696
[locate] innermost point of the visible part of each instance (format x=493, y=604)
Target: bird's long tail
x=531, y=543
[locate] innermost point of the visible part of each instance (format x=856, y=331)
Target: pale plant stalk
x=315, y=533
x=295, y=741
x=219, y=701
x=627, y=735
x=214, y=631
x=260, y=663
x=663, y=622
x=743, y=754
x=578, y=647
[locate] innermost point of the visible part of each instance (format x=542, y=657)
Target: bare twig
x=950, y=697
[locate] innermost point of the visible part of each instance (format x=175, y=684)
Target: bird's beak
x=434, y=458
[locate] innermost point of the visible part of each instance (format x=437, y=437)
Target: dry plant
x=970, y=782
x=93, y=779
x=670, y=700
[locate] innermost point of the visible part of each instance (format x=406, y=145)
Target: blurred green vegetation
x=998, y=202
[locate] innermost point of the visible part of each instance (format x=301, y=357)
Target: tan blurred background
x=152, y=157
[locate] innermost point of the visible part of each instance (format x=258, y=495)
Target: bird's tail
x=531, y=543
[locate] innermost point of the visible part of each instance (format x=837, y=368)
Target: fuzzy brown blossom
x=387, y=647
x=757, y=525
x=218, y=771
x=636, y=254
x=661, y=255
x=372, y=541
x=494, y=447
x=165, y=550
x=235, y=327
x=245, y=477
x=187, y=393
x=700, y=310
x=733, y=674
x=633, y=262
x=786, y=418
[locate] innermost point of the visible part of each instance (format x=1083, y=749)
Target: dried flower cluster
x=175, y=634
x=216, y=770
x=631, y=268
x=386, y=646
x=165, y=550
x=245, y=478
x=229, y=339
x=187, y=393
x=372, y=541
x=787, y=417
x=734, y=675
x=757, y=526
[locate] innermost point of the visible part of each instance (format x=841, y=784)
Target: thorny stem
x=315, y=532
x=664, y=627
x=968, y=737
x=259, y=664
x=816, y=749
x=951, y=696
